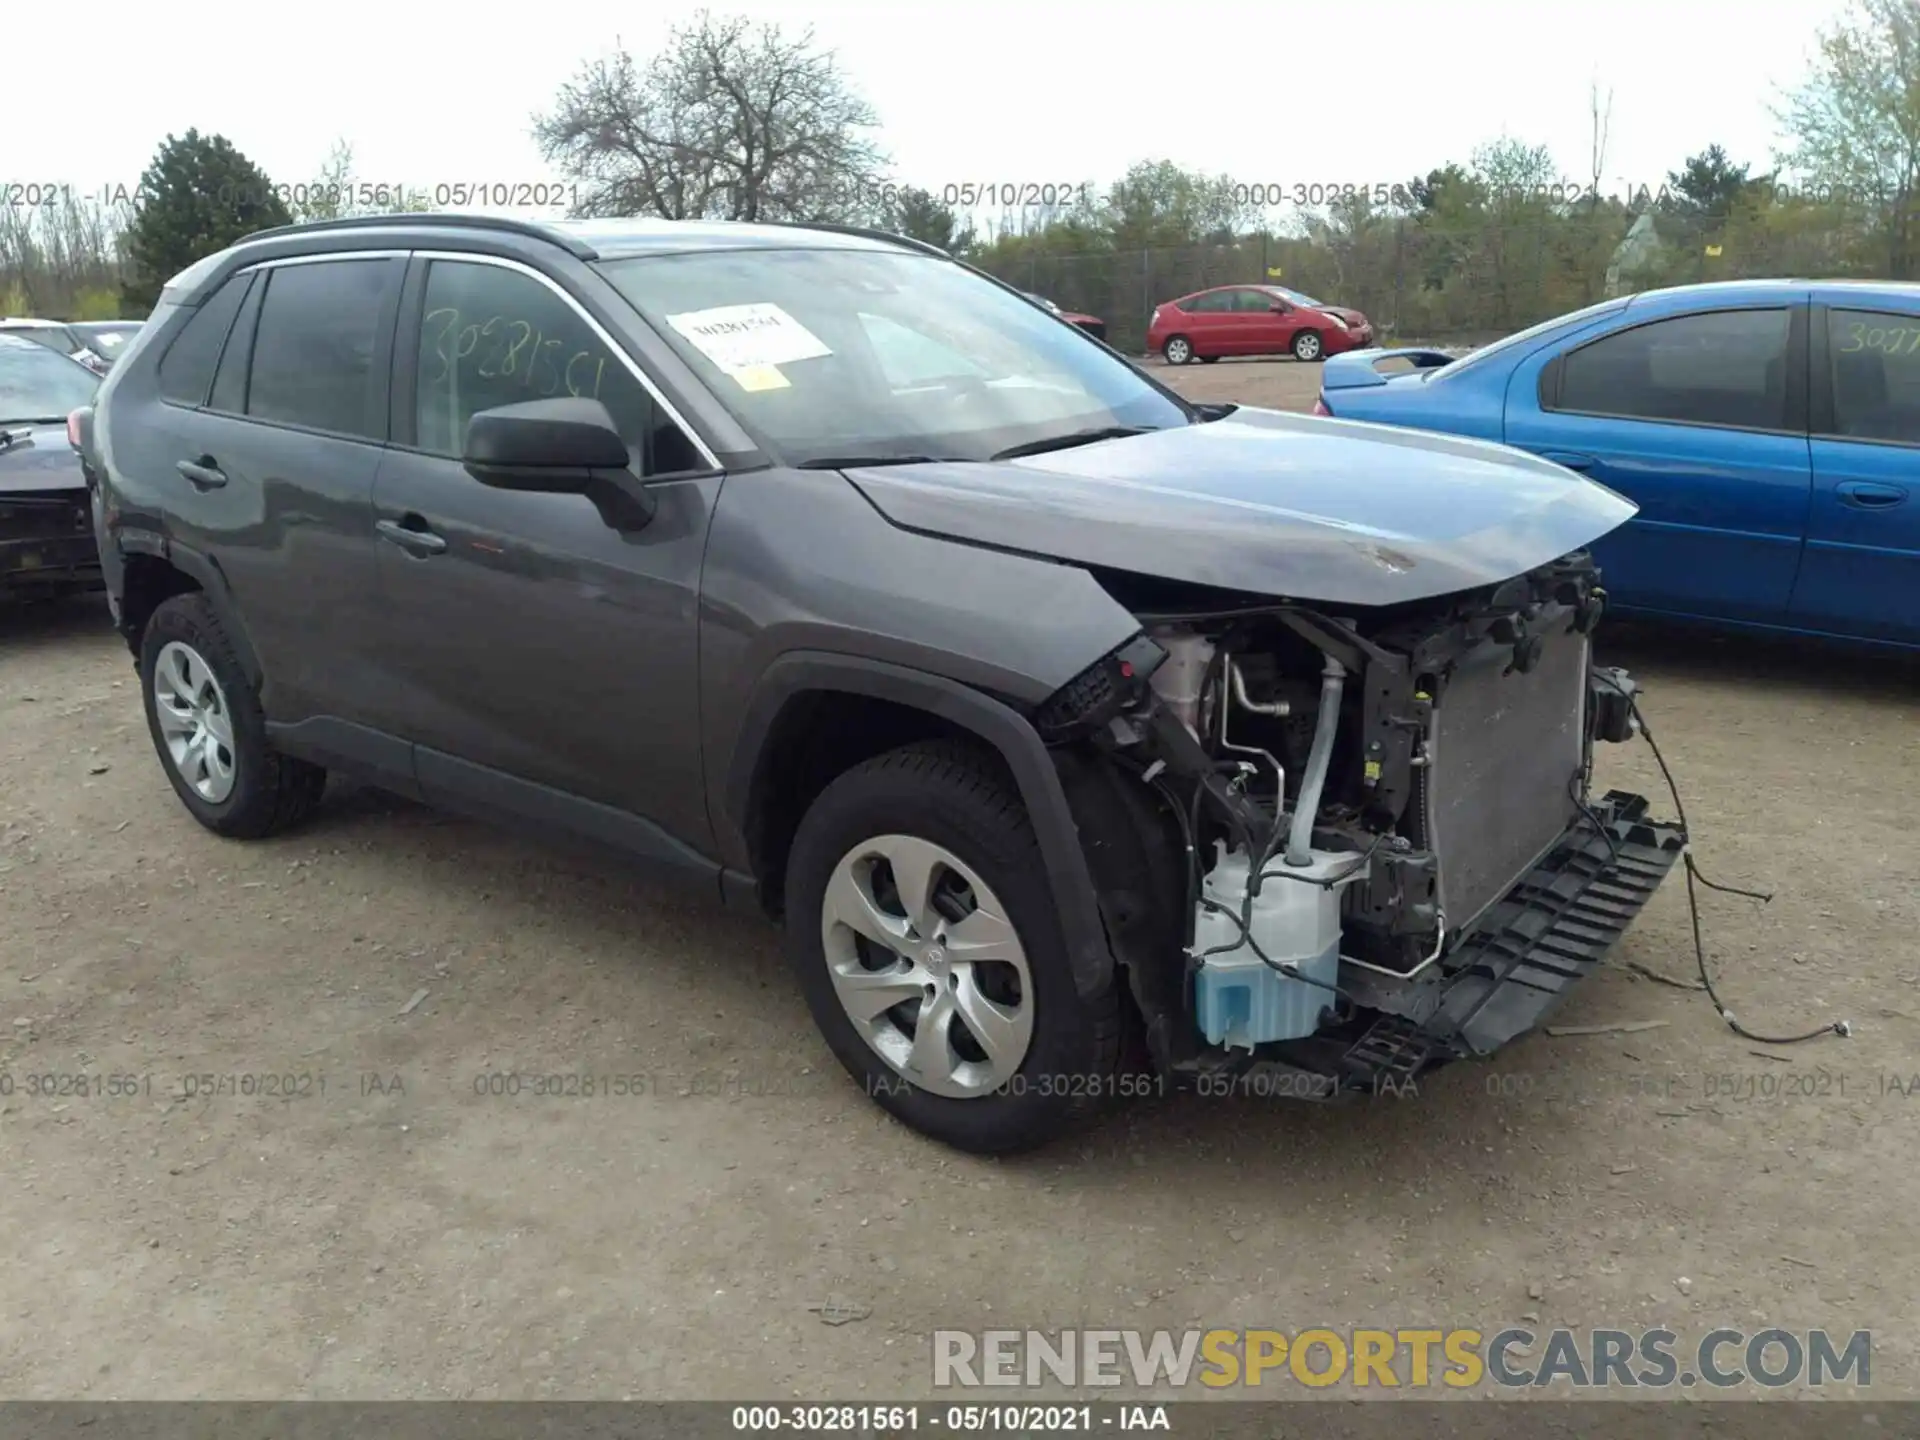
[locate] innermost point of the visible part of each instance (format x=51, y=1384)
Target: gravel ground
x=387, y=1230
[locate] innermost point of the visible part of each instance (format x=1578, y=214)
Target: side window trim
x=1794, y=405
x=600, y=332
x=1820, y=405
x=248, y=315
x=378, y=371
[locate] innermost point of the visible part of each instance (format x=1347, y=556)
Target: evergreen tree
x=198, y=196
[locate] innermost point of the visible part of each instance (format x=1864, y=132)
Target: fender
x=998, y=725
x=205, y=572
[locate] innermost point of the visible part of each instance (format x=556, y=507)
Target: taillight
x=73, y=429
x=1320, y=408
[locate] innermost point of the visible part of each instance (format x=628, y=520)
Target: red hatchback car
x=1254, y=320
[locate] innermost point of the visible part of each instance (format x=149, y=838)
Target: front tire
x=1306, y=345
x=1178, y=350
x=924, y=934
x=209, y=731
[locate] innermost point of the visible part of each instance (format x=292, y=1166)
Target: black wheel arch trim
x=205, y=572
x=998, y=725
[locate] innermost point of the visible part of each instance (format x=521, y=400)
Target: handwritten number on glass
x=513, y=350
x=1889, y=340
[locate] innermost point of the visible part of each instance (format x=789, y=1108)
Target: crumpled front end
x=1335, y=850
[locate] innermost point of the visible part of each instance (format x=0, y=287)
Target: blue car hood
x=1291, y=506
x=42, y=462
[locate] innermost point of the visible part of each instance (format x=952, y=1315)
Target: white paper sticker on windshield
x=741, y=337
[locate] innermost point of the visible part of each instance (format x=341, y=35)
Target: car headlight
x=1338, y=321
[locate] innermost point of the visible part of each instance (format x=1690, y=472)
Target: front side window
x=1252, y=302
x=314, y=347
x=490, y=336
x=1875, y=363
x=38, y=385
x=877, y=353
x=1727, y=367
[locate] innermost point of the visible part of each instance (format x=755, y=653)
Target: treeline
x=1466, y=251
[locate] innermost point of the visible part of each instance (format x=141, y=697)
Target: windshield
x=39, y=384
x=1295, y=297
x=1524, y=337
x=878, y=353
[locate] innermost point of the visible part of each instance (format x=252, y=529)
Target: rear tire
x=937, y=821
x=1178, y=350
x=209, y=731
x=1306, y=345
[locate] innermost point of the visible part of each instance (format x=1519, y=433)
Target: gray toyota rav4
x=1087, y=741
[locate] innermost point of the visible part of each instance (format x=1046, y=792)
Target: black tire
x=953, y=796
x=1307, y=346
x=271, y=792
x=1178, y=350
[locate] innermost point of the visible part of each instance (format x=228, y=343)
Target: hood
x=1331, y=511
x=43, y=462
x=1346, y=313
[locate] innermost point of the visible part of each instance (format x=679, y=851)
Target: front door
x=1861, y=572
x=540, y=650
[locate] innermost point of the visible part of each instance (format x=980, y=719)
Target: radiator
x=1505, y=751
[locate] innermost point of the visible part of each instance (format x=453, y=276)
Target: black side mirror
x=1280, y=307
x=553, y=447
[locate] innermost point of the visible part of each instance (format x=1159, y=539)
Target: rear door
x=1700, y=419
x=1861, y=572
x=270, y=475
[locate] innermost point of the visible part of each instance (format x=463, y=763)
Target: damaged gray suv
x=1086, y=741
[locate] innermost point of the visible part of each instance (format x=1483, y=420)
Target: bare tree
x=336, y=192
x=730, y=121
x=1602, y=113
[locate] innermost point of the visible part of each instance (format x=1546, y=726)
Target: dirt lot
x=396, y=1234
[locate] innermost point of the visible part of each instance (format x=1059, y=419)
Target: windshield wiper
x=865, y=462
x=1068, y=442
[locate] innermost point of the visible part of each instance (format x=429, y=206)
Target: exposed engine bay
x=1375, y=830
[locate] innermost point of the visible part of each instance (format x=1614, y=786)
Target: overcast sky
x=989, y=92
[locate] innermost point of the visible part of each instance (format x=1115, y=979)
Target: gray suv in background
x=1086, y=740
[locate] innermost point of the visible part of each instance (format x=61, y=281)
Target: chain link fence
x=1419, y=284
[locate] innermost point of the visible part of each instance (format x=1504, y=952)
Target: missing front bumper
x=1549, y=932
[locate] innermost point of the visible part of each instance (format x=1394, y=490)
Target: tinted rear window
x=1724, y=367
x=186, y=370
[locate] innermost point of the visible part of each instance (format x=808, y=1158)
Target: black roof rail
x=437, y=219
x=865, y=232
